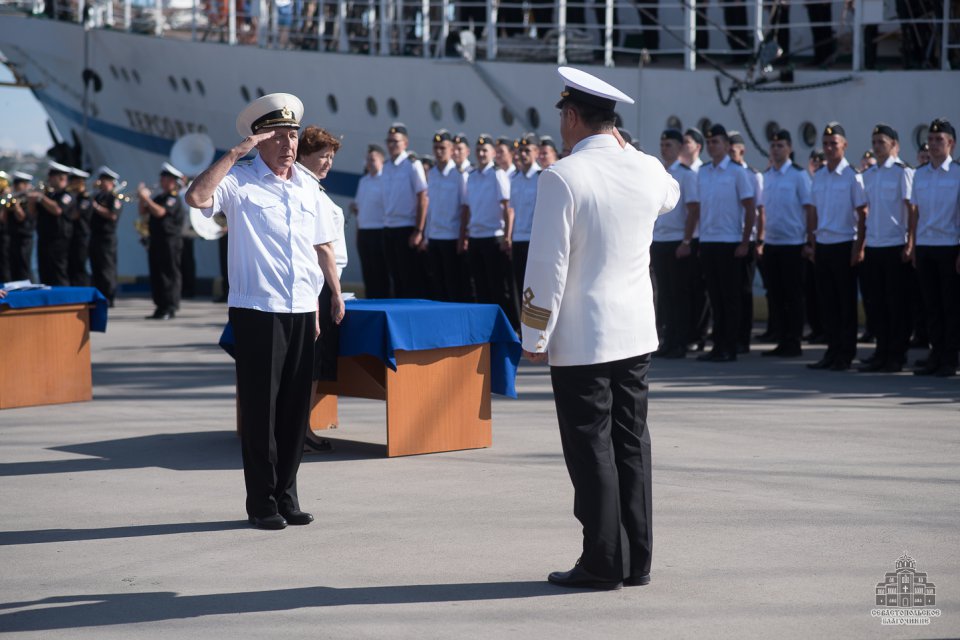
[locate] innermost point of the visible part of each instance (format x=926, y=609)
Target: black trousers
x=940, y=285
x=602, y=413
x=404, y=263
x=735, y=21
x=21, y=250
x=817, y=12
x=188, y=269
x=699, y=303
x=222, y=253
x=274, y=360
x=326, y=351
x=449, y=271
x=79, y=254
x=884, y=277
x=783, y=267
x=373, y=263
x=163, y=255
x=518, y=259
x=746, y=297
x=674, y=278
x=53, y=253
x=723, y=272
x=103, y=263
x=837, y=288
x=493, y=276
x=811, y=299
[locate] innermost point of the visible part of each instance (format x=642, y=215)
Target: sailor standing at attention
x=165, y=212
x=593, y=320
x=405, y=202
x=281, y=253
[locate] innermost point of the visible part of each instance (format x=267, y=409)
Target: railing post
x=690, y=36
x=858, y=35
x=343, y=33
x=491, y=30
x=562, y=32
x=80, y=11
x=441, y=49
x=193, y=21
x=385, y=27
x=758, y=24
x=425, y=25
x=231, y=21
x=945, y=37
x=158, y=17
x=127, y=9
x=372, y=24
x=608, y=34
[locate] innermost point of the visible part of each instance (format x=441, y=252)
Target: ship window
x=771, y=129
x=371, y=106
x=459, y=113
x=113, y=72
x=245, y=93
x=533, y=117
x=808, y=133
x=704, y=125
x=673, y=122
x=436, y=110
x=920, y=135
x=136, y=76
x=332, y=103
x=506, y=115
x=392, y=108
x=260, y=92
x=202, y=89
x=186, y=84
x=173, y=82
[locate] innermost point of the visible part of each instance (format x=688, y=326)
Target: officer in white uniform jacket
x=588, y=303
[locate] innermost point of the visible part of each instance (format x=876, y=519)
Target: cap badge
x=286, y=113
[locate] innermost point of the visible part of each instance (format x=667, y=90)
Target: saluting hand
x=247, y=144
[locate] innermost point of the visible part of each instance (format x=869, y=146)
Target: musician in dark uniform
x=79, y=215
x=53, y=227
x=106, y=207
x=21, y=225
x=166, y=212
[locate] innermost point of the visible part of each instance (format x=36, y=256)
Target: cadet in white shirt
x=700, y=323
x=461, y=153
x=281, y=254
x=485, y=230
x=405, y=201
x=588, y=308
x=786, y=205
x=523, y=198
x=548, y=152
x=370, y=210
x=836, y=238
x=671, y=253
x=936, y=221
x=447, y=188
x=692, y=148
x=738, y=151
x=886, y=260
x=504, y=157
x=727, y=212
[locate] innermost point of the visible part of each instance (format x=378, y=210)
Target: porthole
x=123, y=72
x=533, y=117
x=371, y=106
x=459, y=113
x=136, y=75
x=507, y=116
x=392, y=108
x=436, y=110
x=771, y=129
x=245, y=94
x=332, y=103
x=808, y=133
x=704, y=125
x=186, y=84
x=260, y=92
x=173, y=82
x=114, y=73
x=673, y=122
x=920, y=135
x=202, y=90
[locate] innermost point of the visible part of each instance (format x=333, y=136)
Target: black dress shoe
x=840, y=365
x=155, y=315
x=581, y=578
x=272, y=522
x=866, y=337
x=169, y=314
x=743, y=349
x=297, y=517
x=872, y=367
x=927, y=368
x=784, y=352
x=637, y=581
x=892, y=366
x=946, y=371
x=677, y=353
x=725, y=357
x=822, y=363
x=710, y=356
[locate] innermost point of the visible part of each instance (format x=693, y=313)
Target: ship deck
x=782, y=496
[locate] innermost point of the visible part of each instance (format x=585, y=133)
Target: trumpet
x=12, y=199
x=117, y=190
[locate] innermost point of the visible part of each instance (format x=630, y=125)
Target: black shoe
x=869, y=359
x=818, y=338
x=169, y=314
x=867, y=337
x=743, y=349
x=783, y=352
x=768, y=336
x=872, y=366
x=637, y=581
x=946, y=371
x=926, y=367
x=297, y=517
x=892, y=366
x=822, y=363
x=273, y=522
x=677, y=353
x=581, y=578
x=840, y=365
x=726, y=357
x=155, y=315
x=710, y=356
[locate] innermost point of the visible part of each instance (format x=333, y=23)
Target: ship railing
x=861, y=34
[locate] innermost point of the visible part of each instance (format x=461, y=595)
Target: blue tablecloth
x=381, y=327
x=62, y=295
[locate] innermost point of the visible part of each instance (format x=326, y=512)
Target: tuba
x=192, y=154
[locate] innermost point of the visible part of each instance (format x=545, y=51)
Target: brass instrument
x=117, y=190
x=142, y=222
x=11, y=199
x=192, y=154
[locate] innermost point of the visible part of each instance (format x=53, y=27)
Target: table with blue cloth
x=434, y=363
x=45, y=345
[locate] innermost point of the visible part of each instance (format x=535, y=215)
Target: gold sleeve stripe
x=532, y=315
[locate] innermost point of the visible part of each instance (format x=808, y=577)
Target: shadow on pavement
x=43, y=536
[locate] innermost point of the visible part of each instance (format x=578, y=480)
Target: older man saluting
x=280, y=253
x=588, y=307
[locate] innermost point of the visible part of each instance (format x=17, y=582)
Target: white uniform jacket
x=587, y=296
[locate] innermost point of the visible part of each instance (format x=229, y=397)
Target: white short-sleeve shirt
x=523, y=198
x=936, y=193
x=371, y=212
x=403, y=179
x=786, y=192
x=339, y=223
x=723, y=188
x=671, y=226
x=486, y=189
x=274, y=226
x=888, y=188
x=447, y=189
x=836, y=196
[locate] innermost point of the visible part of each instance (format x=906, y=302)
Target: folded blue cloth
x=62, y=295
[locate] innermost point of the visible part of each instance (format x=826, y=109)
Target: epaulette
x=925, y=164
x=686, y=166
x=796, y=166
x=899, y=163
